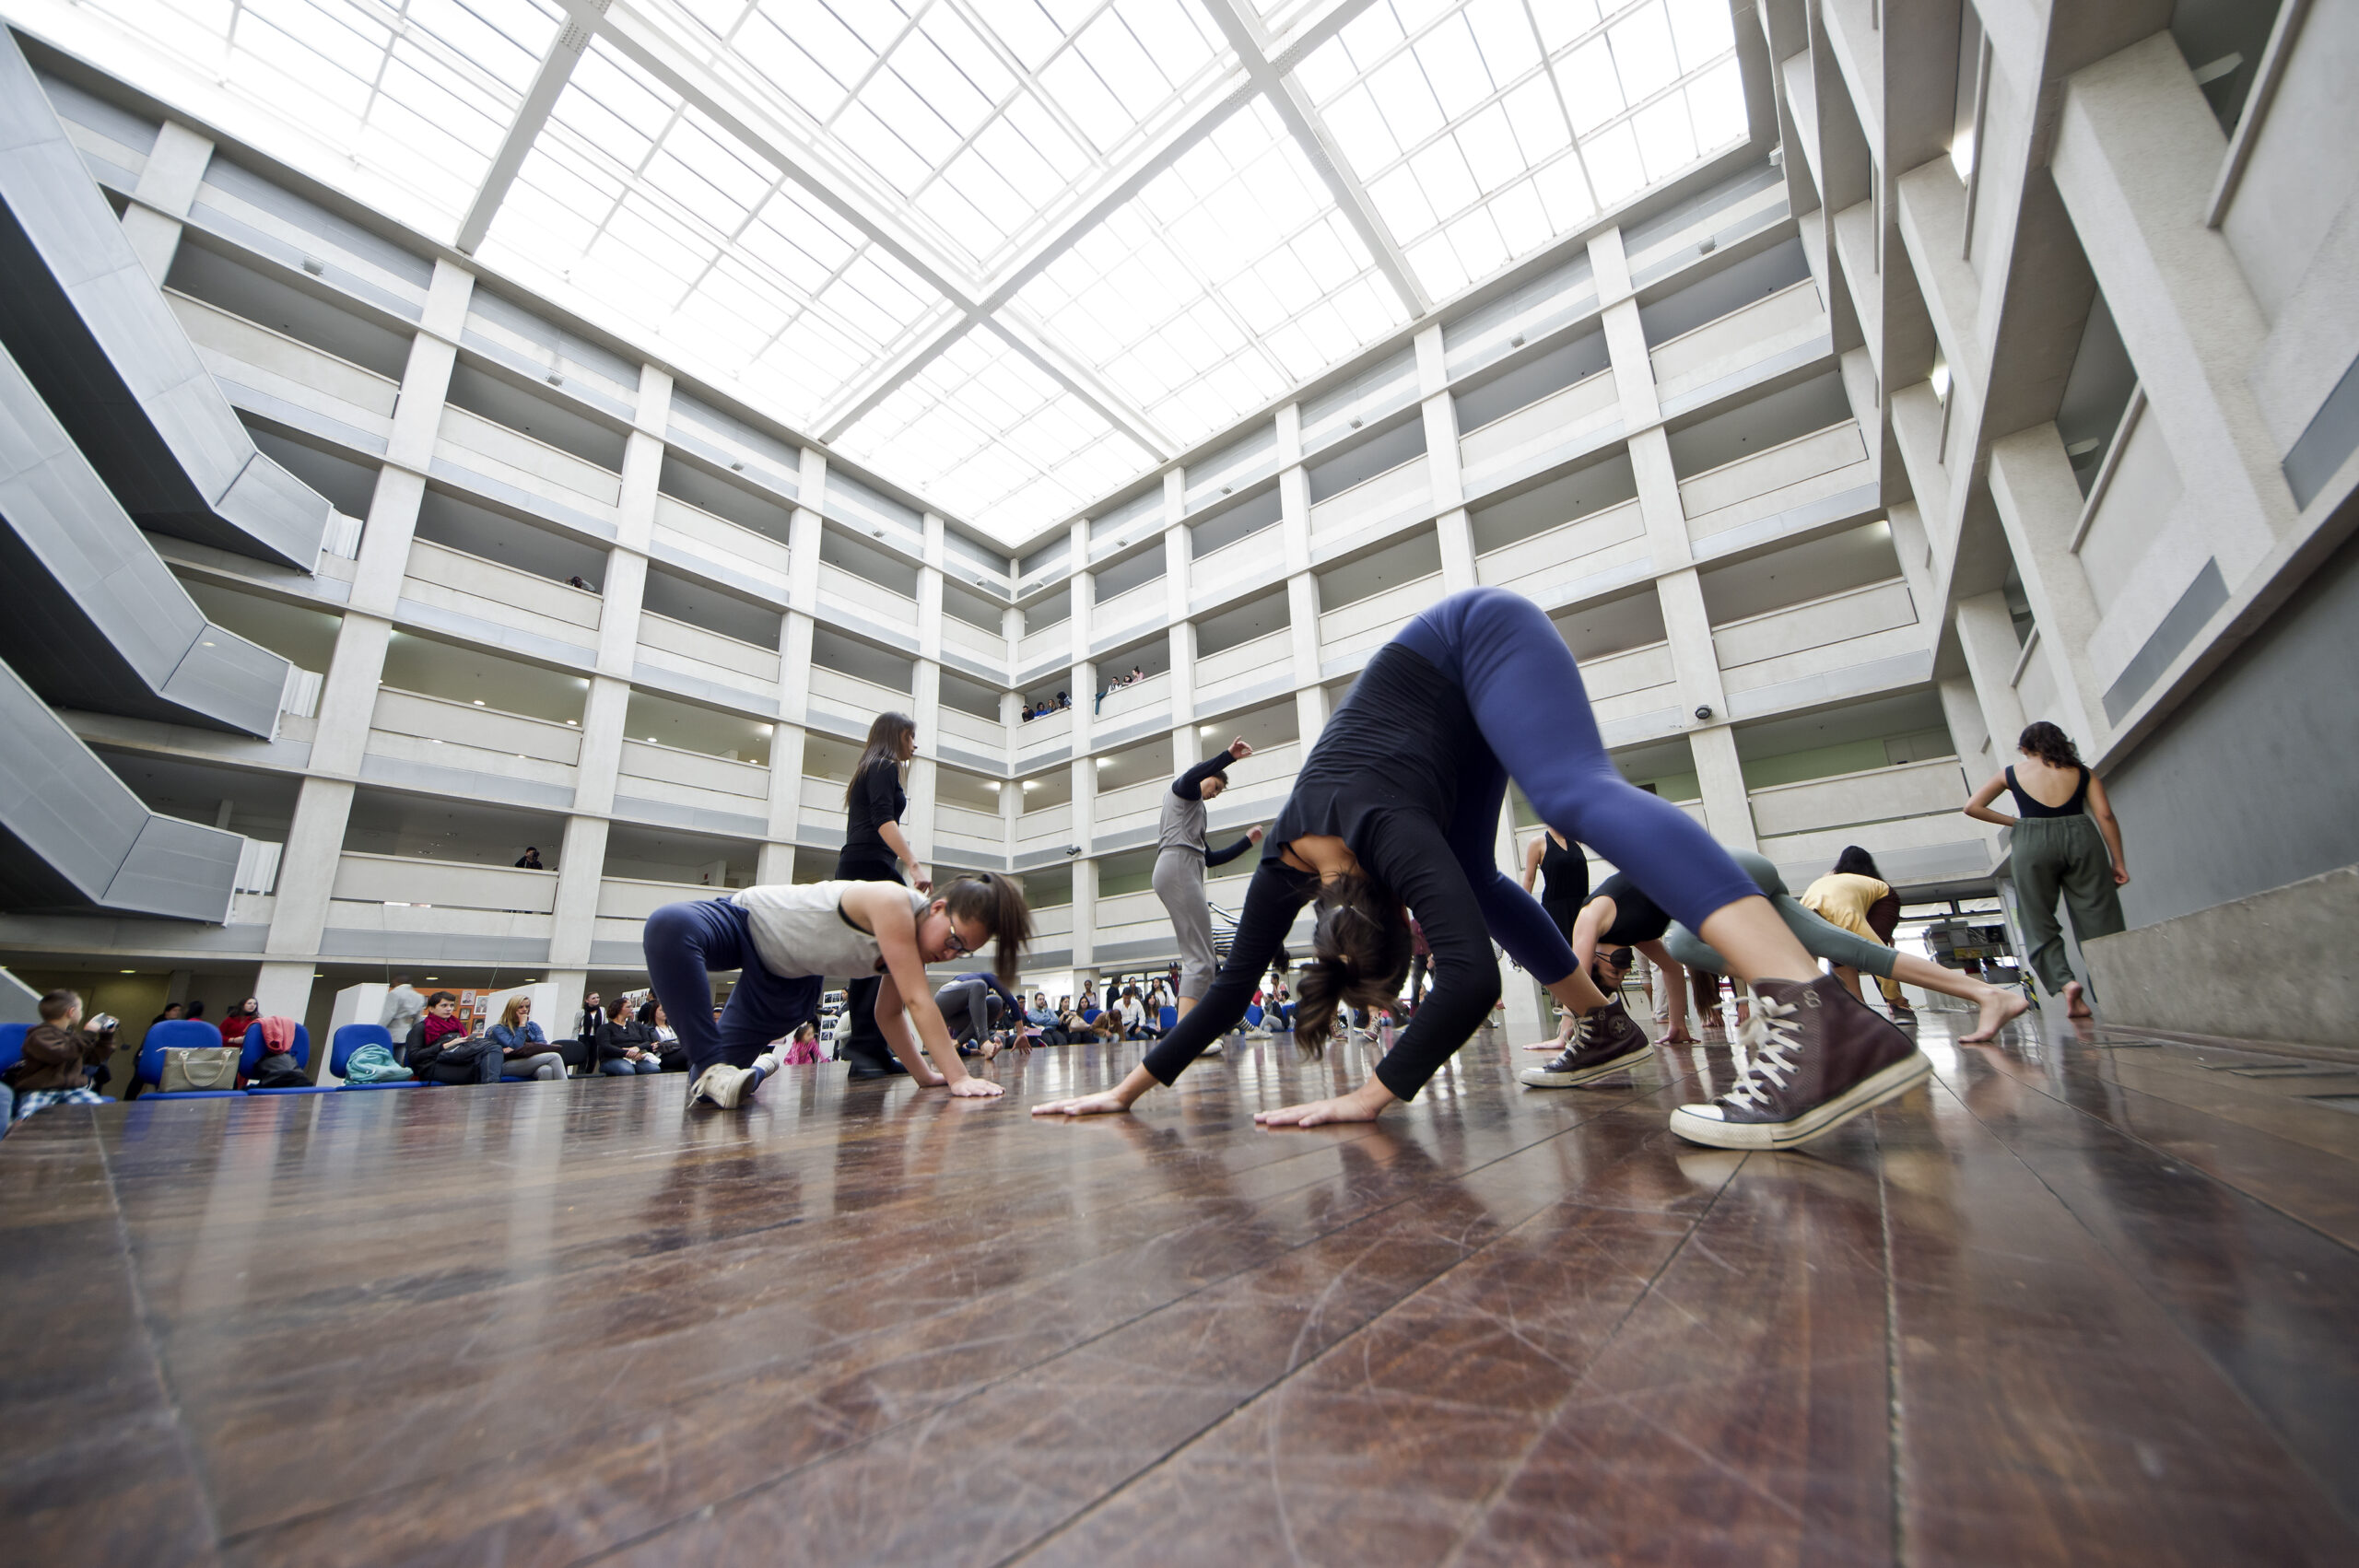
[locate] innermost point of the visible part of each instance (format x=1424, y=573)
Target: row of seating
x=175, y=1034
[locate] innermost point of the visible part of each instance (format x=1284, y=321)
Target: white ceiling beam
x=540, y=101
x=1244, y=33
x=891, y=375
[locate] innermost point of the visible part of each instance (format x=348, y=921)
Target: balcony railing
x=516, y=460
x=1910, y=810
x=1721, y=348
x=1043, y=826
x=854, y=702
x=1852, y=627
x=1625, y=685
x=1248, y=663
x=731, y=546
x=414, y=894
x=706, y=655
x=986, y=735
x=1140, y=606
x=682, y=777
x=250, y=357
x=1369, y=622
x=1371, y=503
x=438, y=732
x=1258, y=554
x=974, y=641
x=1808, y=468
x=624, y=904
x=1129, y=806
x=487, y=590
x=1050, y=642
x=1560, y=557
x=1566, y=420
x=1125, y=706
x=872, y=602
x=964, y=827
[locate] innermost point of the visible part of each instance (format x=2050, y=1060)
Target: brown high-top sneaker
x=1819, y=1059
x=1604, y=1041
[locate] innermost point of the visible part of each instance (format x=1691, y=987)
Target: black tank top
x=2026, y=806
x=1564, y=874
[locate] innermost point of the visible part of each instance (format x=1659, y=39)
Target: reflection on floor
x=2081, y=1300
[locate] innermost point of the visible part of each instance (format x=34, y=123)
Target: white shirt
x=403, y=1008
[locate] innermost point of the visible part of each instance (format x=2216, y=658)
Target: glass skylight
x=827, y=205
x=1470, y=124
x=648, y=207
x=1229, y=279
x=418, y=91
x=995, y=439
x=979, y=116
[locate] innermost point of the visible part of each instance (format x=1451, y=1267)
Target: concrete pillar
x=1530, y=1014
x=1182, y=639
x=2137, y=150
x=1986, y=633
x=924, y=786
x=580, y=871
x=160, y=202
x=604, y=709
x=1728, y=809
x=1085, y=918
x=392, y=522
x=2038, y=504
x=283, y=987
x=348, y=695
x=307, y=872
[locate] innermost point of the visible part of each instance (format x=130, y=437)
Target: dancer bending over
x=1679, y=946
x=1399, y=803
x=2066, y=841
x=1180, y=858
x=784, y=941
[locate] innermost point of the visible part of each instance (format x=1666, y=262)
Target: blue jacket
x=517, y=1042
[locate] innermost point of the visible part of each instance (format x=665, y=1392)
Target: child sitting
x=59, y=1054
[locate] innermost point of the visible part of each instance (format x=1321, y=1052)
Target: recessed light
x=479, y=702
x=130, y=971
x=208, y=645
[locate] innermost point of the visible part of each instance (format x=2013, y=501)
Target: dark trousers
x=861, y=1041
x=688, y=943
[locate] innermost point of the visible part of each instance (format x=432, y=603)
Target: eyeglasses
x=959, y=948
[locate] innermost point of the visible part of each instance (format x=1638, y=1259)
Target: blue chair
x=1253, y=1016
x=300, y=1050
x=350, y=1038
x=180, y=1033
x=12, y=1043
x=1089, y=1015
x=1170, y=1018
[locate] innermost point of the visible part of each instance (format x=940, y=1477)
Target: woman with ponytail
x=876, y=848
x=786, y=941
x=2066, y=844
x=1398, y=804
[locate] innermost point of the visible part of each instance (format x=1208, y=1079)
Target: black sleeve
x=1222, y=857
x=879, y=785
x=1412, y=858
x=1275, y=897
x=1187, y=785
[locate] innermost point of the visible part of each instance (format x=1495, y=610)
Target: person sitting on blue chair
x=523, y=1049
x=58, y=1055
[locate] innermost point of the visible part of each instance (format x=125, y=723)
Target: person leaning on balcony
x=531, y=860
x=523, y=1049
x=875, y=849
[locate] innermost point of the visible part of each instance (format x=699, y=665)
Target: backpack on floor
x=373, y=1064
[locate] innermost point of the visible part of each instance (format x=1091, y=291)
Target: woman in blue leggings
x=1398, y=804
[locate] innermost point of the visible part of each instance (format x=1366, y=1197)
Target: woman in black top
x=875, y=849
x=1562, y=872
x=2066, y=843
x=1398, y=804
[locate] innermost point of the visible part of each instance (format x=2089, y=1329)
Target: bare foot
x=2074, y=1007
x=1676, y=1038
x=1997, y=1009
x=1551, y=1045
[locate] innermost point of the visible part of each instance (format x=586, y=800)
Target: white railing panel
x=1562, y=418
x=452, y=580
x=1933, y=788
x=1259, y=659
x=253, y=355
x=1048, y=642
x=1838, y=617
x=464, y=724
x=403, y=879
x=988, y=735
x=1369, y=622
x=1614, y=536
x=731, y=546
x=1046, y=824
x=872, y=601
x=973, y=640
x=1762, y=483
x=695, y=777
x=1719, y=348
x=695, y=651
x=629, y=898
x=1371, y=503
x=488, y=448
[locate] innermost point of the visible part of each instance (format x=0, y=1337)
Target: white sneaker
x=1213, y=1050
x=723, y=1086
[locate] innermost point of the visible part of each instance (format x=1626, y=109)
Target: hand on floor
x=1106, y=1103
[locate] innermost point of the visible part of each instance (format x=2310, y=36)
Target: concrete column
x=307, y=872
x=1688, y=626
x=580, y=869
x=924, y=786
x=1085, y=916
x=1302, y=627
x=1530, y=1014
x=2038, y=504
x=1986, y=632
x=2137, y=150
x=1626, y=335
x=1182, y=637
x=1084, y=670
x=349, y=695
x=160, y=202
x=1969, y=730
x=787, y=738
x=1728, y=810
x=283, y=987
x=604, y=709
x=417, y=414
x=930, y=592
x=1309, y=714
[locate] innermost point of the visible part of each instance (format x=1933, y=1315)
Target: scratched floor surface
x=2083, y=1300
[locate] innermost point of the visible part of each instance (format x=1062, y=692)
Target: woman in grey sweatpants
x=1179, y=861
x=1823, y=939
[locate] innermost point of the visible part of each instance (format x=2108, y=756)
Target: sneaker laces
x=1772, y=1038
x=1580, y=1038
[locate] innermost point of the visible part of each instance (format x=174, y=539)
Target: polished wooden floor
x=2079, y=1301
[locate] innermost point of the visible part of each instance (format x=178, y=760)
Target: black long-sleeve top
x=1386, y=777
x=876, y=799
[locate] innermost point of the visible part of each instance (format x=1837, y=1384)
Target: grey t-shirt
x=1183, y=824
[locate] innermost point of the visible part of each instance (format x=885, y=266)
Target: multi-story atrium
x=442, y=428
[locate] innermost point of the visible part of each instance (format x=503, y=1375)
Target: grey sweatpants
x=1819, y=939
x=1179, y=883
x=2062, y=856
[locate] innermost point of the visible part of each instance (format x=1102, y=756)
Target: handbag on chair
x=200, y=1067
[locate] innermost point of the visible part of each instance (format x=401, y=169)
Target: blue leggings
x=1527, y=698
x=688, y=943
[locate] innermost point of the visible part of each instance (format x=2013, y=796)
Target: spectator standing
x=876, y=848
x=404, y=1007
x=235, y=1023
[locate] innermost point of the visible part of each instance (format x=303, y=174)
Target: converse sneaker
x=1819, y=1057
x=1211, y=1047
x=1604, y=1041
x=725, y=1087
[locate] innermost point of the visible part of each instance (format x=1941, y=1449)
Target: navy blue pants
x=1527, y=698
x=688, y=943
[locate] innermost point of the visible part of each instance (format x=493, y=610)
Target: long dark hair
x=1856, y=861
x=886, y=738
x=1360, y=948
x=998, y=902
x=2048, y=743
